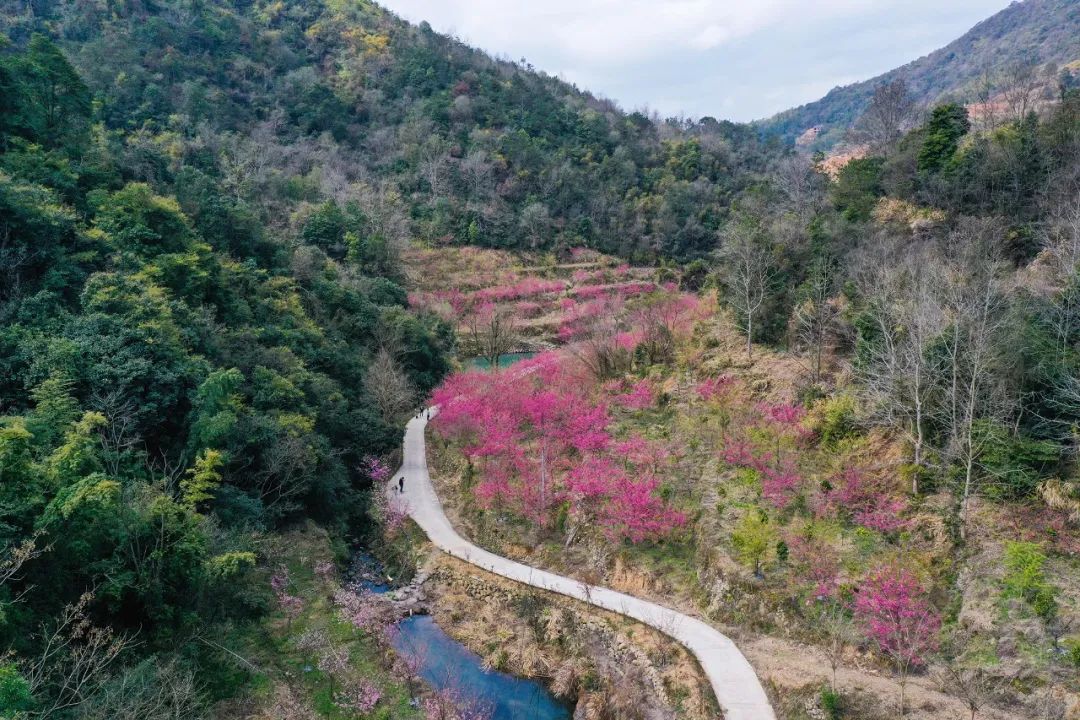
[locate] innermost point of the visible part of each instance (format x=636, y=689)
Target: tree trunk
x=749, y=336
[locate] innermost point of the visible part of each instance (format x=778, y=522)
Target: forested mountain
x=979, y=64
x=303, y=101
x=204, y=331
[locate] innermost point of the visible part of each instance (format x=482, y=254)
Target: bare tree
x=972, y=685
x=246, y=162
x=74, y=661
x=492, y=332
x=476, y=174
x=799, y=184
x=902, y=377
x=985, y=93
x=748, y=269
x=535, y=222
x=596, y=345
x=840, y=633
x=149, y=691
x=11, y=562
x=815, y=316
x=1061, y=243
x=434, y=164
x=289, y=704
x=975, y=309
x=388, y=385
x=1021, y=86
x=889, y=115
x=289, y=463
x=119, y=435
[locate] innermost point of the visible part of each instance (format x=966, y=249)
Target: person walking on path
x=401, y=484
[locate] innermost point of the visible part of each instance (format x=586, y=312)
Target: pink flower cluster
x=896, y=613
x=716, y=388
x=360, y=609
x=528, y=287
x=641, y=395
x=867, y=501
x=540, y=439
x=528, y=309
x=451, y=704
x=377, y=470
x=625, y=290
x=359, y=697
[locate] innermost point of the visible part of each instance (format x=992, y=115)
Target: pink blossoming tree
x=896, y=614
x=540, y=438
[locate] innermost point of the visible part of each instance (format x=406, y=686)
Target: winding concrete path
x=733, y=679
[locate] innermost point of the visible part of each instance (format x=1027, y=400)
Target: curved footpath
x=733, y=679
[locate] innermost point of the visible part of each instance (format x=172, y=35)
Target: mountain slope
x=477, y=150
x=1029, y=32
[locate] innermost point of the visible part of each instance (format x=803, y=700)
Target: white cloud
x=609, y=31
x=731, y=58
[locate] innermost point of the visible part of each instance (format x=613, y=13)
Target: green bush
x=1025, y=579
x=1072, y=651
x=831, y=703
x=1016, y=463
x=14, y=692
x=858, y=187
x=838, y=420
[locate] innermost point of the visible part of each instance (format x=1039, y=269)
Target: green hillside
x=337, y=93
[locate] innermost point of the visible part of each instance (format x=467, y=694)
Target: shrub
x=838, y=420
x=1025, y=579
x=14, y=691
x=1016, y=463
x=831, y=703
x=1072, y=652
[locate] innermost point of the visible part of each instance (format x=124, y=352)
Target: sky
x=731, y=59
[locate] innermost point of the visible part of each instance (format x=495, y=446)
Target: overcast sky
x=733, y=59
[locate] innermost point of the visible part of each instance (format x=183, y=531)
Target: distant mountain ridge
x=1032, y=31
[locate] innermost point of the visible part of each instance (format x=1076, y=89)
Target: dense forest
x=287, y=102
x=178, y=374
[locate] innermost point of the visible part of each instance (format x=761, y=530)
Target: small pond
x=446, y=663
x=506, y=360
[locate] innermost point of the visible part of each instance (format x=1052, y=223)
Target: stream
x=444, y=663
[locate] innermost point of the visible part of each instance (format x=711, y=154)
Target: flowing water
x=447, y=664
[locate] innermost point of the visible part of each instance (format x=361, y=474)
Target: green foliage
x=15, y=696
x=752, y=539
x=49, y=102
x=858, y=187
x=1072, y=651
x=832, y=703
x=199, y=483
x=54, y=409
x=839, y=420
x=947, y=124
x=1015, y=464
x=185, y=324
x=1026, y=580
